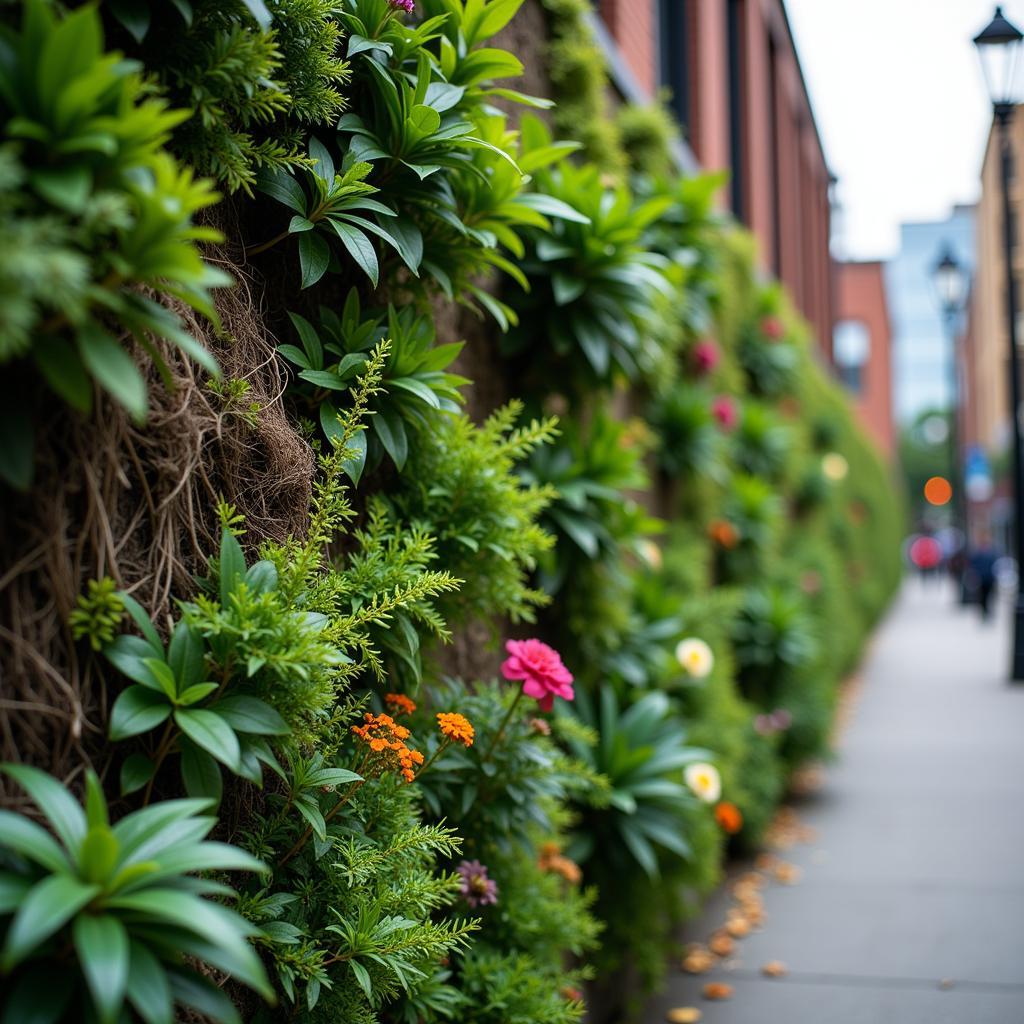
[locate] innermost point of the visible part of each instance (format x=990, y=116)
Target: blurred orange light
x=938, y=491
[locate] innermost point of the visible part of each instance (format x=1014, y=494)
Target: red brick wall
x=861, y=296
x=784, y=177
x=633, y=24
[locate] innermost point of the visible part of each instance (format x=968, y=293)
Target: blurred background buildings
x=922, y=381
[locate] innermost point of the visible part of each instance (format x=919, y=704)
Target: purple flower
x=477, y=889
x=782, y=719
x=405, y=5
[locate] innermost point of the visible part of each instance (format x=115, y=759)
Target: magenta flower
x=405, y=5
x=540, y=668
x=723, y=408
x=477, y=889
x=705, y=357
x=772, y=328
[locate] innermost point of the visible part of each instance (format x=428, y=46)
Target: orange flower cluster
x=724, y=534
x=729, y=818
x=552, y=859
x=456, y=727
x=386, y=740
x=399, y=704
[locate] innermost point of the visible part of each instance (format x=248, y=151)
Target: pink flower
x=405, y=5
x=477, y=889
x=772, y=328
x=541, y=670
x=705, y=357
x=723, y=408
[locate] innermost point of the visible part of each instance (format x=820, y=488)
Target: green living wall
x=427, y=545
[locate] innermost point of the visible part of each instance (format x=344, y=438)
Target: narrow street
x=910, y=903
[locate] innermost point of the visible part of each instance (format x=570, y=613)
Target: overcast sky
x=901, y=105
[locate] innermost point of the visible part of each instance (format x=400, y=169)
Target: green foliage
x=460, y=485
x=641, y=750
x=690, y=441
x=85, y=172
x=591, y=518
x=770, y=363
x=115, y=905
x=773, y=637
x=253, y=75
x=594, y=287
x=352, y=917
x=762, y=443
x=509, y=783
x=414, y=386
x=648, y=133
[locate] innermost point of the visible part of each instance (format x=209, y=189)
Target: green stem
x=304, y=838
x=503, y=726
x=445, y=744
x=162, y=750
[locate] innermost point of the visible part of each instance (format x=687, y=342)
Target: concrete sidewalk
x=910, y=909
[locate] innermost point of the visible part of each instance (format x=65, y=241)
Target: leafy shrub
x=594, y=287
x=118, y=902
x=689, y=439
x=253, y=74
x=413, y=386
x=590, y=469
x=113, y=214
x=762, y=444
x=461, y=486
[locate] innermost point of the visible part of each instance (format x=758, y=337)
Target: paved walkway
x=910, y=908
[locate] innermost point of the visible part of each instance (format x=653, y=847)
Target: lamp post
x=950, y=281
x=998, y=46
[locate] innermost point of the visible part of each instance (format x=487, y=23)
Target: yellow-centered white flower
x=695, y=656
x=704, y=780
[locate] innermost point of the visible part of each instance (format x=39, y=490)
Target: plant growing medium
x=577, y=543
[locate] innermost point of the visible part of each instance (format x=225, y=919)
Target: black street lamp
x=998, y=46
x=951, y=285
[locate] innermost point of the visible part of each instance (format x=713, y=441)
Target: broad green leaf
x=102, y=945
x=148, y=988
x=194, y=694
x=23, y=836
x=59, y=807
x=200, y=773
x=60, y=364
x=113, y=368
x=232, y=566
x=186, y=655
x=209, y=731
x=130, y=655
x=359, y=247
x=137, y=710
x=164, y=676
x=251, y=715
x=136, y=771
x=280, y=185
x=98, y=856
x=390, y=430
x=40, y=995
x=48, y=907
x=142, y=620
x=314, y=257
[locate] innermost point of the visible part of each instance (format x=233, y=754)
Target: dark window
x=736, y=13
x=674, y=72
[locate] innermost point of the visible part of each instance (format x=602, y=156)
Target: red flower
x=540, y=668
x=723, y=408
x=705, y=357
x=773, y=328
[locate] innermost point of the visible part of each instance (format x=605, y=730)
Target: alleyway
x=910, y=906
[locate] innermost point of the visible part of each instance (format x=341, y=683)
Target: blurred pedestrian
x=981, y=567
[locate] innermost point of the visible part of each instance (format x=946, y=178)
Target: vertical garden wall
x=428, y=544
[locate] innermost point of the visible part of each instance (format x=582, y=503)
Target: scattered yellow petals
x=774, y=969
x=721, y=944
x=788, y=874
x=738, y=927
x=698, y=961
x=684, y=1015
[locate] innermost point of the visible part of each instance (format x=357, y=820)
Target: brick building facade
x=735, y=84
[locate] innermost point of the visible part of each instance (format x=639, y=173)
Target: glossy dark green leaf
x=113, y=368
x=102, y=945
x=148, y=989
x=209, y=731
x=200, y=773
x=251, y=715
x=136, y=771
x=48, y=907
x=137, y=710
x=314, y=257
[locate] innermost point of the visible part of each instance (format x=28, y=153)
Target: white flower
x=650, y=553
x=704, y=780
x=695, y=656
x=835, y=467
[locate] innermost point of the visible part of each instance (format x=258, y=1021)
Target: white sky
x=901, y=105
